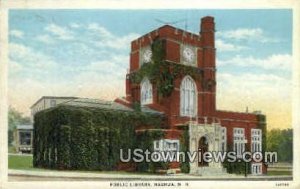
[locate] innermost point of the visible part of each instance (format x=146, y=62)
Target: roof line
x=62, y=104
x=131, y=110
x=55, y=97
x=166, y=25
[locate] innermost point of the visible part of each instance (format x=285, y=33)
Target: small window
x=166, y=145
x=25, y=137
x=256, y=168
x=52, y=103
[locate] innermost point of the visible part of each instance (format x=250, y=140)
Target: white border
x=147, y=4
x=3, y=95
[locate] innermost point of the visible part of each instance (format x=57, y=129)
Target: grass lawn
x=273, y=173
x=20, y=162
x=24, y=162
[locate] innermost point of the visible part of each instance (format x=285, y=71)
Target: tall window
x=223, y=139
x=256, y=140
x=146, y=92
x=238, y=140
x=188, y=97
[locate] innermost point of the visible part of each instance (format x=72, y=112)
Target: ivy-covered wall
x=86, y=138
x=145, y=141
x=184, y=146
x=237, y=167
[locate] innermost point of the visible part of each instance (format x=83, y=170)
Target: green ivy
x=146, y=139
x=85, y=138
x=236, y=167
x=185, y=165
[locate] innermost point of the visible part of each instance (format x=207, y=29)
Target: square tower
x=173, y=71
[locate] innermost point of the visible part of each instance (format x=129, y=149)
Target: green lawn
x=279, y=173
x=24, y=162
x=20, y=162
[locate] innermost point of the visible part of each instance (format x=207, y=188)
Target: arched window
x=146, y=91
x=188, y=97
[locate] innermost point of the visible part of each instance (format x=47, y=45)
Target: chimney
x=207, y=31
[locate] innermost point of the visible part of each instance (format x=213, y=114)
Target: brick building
x=192, y=101
x=172, y=77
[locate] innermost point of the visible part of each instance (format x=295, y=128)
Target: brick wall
x=206, y=85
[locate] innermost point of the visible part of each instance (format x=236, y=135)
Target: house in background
x=23, y=135
x=46, y=102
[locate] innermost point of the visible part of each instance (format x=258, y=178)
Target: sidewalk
x=19, y=154
x=123, y=176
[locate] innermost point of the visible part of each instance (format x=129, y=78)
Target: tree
x=15, y=118
x=281, y=141
x=286, y=146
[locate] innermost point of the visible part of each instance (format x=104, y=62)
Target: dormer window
x=146, y=92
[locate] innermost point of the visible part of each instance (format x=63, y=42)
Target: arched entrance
x=202, y=147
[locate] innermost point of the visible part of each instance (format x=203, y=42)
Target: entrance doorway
x=202, y=147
